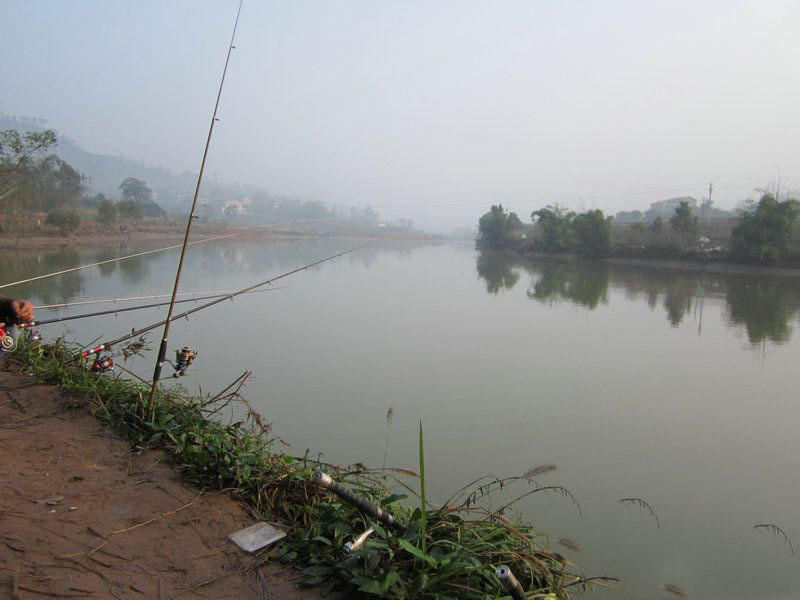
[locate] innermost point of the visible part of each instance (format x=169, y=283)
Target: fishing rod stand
x=506, y=577
x=324, y=481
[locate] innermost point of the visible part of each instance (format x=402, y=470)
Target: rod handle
x=506, y=577
x=325, y=481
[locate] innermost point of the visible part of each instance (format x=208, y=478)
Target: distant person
x=12, y=312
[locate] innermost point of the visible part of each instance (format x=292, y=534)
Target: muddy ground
x=82, y=516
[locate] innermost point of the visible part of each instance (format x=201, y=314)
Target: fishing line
x=137, y=332
x=114, y=311
x=209, y=294
x=110, y=260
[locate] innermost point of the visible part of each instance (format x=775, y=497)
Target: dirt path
x=83, y=516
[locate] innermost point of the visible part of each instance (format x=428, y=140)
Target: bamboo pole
x=506, y=577
x=324, y=481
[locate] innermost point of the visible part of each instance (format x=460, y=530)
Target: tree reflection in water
x=498, y=270
x=763, y=305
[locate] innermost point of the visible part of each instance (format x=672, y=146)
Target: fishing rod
x=210, y=294
x=162, y=351
x=110, y=260
x=108, y=345
x=129, y=308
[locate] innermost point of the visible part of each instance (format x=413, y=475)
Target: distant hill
x=244, y=204
x=105, y=171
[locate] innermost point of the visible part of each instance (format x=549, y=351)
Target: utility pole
x=708, y=205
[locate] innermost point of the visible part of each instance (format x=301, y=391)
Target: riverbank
x=712, y=266
x=452, y=552
x=83, y=514
x=91, y=233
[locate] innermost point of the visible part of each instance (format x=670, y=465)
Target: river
x=674, y=387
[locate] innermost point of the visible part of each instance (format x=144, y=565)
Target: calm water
x=674, y=387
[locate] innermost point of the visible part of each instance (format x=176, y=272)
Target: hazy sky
x=428, y=110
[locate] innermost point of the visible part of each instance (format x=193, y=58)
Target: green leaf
x=390, y=579
x=368, y=586
x=319, y=538
x=379, y=530
x=413, y=550
x=393, y=498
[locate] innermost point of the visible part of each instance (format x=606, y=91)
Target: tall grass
x=423, y=505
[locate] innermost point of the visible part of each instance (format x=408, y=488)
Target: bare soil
x=82, y=516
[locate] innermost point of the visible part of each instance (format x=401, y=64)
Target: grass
x=446, y=552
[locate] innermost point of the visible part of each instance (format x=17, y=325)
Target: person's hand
x=23, y=310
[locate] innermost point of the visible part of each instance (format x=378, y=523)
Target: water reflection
x=156, y=271
x=23, y=264
x=585, y=284
x=499, y=272
x=764, y=306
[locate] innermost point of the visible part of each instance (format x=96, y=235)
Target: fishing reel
x=8, y=339
x=102, y=364
x=183, y=360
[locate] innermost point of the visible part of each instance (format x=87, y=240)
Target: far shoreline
x=175, y=234
x=716, y=266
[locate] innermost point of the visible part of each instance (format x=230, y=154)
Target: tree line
x=765, y=232
x=36, y=181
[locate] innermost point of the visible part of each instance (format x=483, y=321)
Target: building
x=237, y=207
x=666, y=208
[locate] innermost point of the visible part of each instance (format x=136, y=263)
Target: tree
x=17, y=150
x=129, y=209
x=555, y=224
x=153, y=209
x=684, y=222
x=67, y=221
x=56, y=184
x=592, y=233
x=497, y=227
x=230, y=211
x=767, y=232
x=136, y=190
x=31, y=183
x=106, y=212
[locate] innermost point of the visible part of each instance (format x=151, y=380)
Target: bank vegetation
x=445, y=551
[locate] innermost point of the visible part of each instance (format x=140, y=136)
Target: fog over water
x=428, y=111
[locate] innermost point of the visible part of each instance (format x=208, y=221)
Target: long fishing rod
x=208, y=293
x=137, y=332
x=111, y=260
x=162, y=351
x=114, y=311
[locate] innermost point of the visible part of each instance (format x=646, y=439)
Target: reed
x=675, y=590
x=775, y=530
x=570, y=544
x=423, y=505
x=644, y=506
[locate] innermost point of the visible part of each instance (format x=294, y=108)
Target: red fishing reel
x=101, y=365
